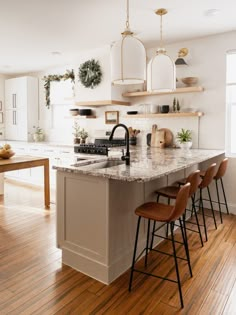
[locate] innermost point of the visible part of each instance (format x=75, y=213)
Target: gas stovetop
x=100, y=146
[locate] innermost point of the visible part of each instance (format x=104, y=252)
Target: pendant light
x=161, y=69
x=128, y=58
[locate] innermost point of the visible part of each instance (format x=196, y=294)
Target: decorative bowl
x=189, y=81
x=7, y=154
x=85, y=112
x=74, y=112
x=132, y=112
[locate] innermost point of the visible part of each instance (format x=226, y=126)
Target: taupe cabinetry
x=21, y=107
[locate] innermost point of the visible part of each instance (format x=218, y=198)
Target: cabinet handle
x=14, y=100
x=14, y=117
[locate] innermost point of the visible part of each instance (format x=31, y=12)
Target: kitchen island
x=96, y=199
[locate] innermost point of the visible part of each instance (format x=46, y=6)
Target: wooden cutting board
x=153, y=138
x=158, y=137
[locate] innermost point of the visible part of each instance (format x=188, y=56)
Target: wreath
x=54, y=77
x=90, y=74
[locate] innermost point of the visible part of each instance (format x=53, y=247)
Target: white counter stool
x=171, y=192
x=219, y=177
x=159, y=212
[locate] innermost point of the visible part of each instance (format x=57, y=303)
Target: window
x=231, y=103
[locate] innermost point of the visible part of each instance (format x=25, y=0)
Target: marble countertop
x=146, y=163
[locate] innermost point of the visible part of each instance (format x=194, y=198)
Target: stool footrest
x=168, y=254
x=166, y=238
x=151, y=274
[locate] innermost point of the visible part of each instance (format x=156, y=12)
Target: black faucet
x=125, y=157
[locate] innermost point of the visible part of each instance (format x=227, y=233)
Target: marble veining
x=146, y=164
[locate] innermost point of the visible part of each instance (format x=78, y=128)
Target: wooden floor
x=33, y=280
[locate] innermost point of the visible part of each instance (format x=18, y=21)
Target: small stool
x=171, y=192
x=207, y=178
x=219, y=177
x=159, y=212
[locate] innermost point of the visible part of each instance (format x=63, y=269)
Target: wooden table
x=21, y=162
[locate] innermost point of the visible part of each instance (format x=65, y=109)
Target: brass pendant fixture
x=161, y=69
x=128, y=58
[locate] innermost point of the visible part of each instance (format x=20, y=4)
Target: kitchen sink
x=100, y=165
x=109, y=163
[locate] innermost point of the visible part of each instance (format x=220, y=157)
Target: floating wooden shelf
x=190, y=89
x=80, y=117
x=188, y=114
x=102, y=103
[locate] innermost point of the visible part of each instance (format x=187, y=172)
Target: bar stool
x=219, y=177
x=171, y=192
x=207, y=178
x=159, y=212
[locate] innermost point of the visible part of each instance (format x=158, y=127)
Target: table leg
x=46, y=185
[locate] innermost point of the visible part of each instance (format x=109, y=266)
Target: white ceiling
x=31, y=29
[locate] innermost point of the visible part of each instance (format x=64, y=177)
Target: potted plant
x=76, y=132
x=184, y=138
x=38, y=135
x=83, y=135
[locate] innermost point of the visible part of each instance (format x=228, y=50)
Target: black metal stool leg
x=134, y=255
x=222, y=185
x=203, y=214
x=185, y=241
x=153, y=231
x=197, y=221
x=167, y=224
x=176, y=264
x=212, y=210
x=218, y=198
x=154, y=227
x=147, y=243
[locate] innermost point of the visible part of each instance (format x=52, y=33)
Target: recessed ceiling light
x=56, y=53
x=212, y=12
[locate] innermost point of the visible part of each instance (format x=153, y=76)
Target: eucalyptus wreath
x=90, y=74
x=55, y=77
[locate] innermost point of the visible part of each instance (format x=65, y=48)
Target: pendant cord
x=127, y=15
x=161, y=41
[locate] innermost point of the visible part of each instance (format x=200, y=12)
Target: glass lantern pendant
x=128, y=58
x=161, y=68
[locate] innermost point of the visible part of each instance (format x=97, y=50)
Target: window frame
x=229, y=105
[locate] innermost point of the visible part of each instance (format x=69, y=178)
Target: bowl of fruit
x=6, y=151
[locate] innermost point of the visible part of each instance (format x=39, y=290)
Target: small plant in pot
x=76, y=133
x=83, y=135
x=184, y=138
x=38, y=135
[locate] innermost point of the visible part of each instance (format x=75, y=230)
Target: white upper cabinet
x=21, y=107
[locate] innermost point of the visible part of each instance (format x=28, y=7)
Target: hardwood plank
x=230, y=307
x=214, y=303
